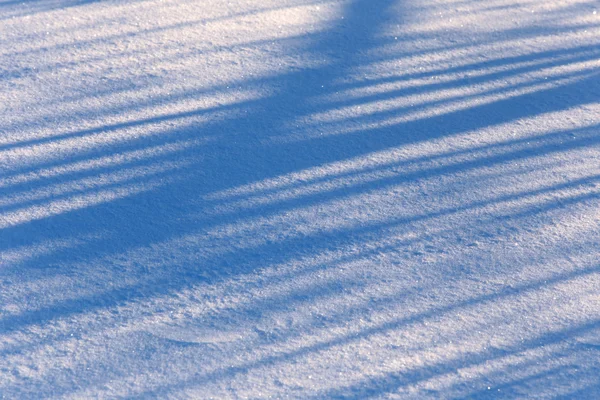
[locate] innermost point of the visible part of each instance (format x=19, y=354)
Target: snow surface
x=300, y=199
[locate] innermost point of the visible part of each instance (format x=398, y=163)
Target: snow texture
x=300, y=199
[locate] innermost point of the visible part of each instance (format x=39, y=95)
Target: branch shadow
x=114, y=195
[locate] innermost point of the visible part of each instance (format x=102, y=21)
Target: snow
x=299, y=199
